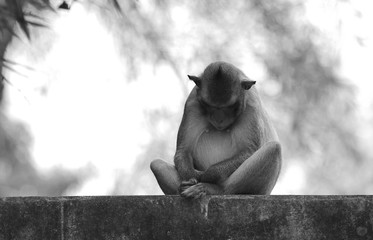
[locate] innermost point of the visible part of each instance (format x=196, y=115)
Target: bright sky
x=90, y=115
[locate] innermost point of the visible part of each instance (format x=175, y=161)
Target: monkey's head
x=221, y=93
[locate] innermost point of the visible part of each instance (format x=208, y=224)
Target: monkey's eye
x=236, y=106
x=203, y=103
x=205, y=107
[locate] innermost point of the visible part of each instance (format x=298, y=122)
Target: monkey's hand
x=187, y=184
x=195, y=191
x=193, y=180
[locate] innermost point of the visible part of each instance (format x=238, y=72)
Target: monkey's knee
x=157, y=165
x=273, y=151
x=272, y=167
x=167, y=177
x=274, y=148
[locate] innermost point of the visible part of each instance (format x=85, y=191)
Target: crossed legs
x=256, y=175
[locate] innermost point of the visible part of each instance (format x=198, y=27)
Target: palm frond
x=13, y=11
x=116, y=5
x=7, y=61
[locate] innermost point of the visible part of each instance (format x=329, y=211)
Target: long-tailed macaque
x=226, y=143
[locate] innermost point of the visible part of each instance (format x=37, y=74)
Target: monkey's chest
x=212, y=147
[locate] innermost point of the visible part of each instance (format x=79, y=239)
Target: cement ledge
x=171, y=217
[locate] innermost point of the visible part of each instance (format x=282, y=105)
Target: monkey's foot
x=196, y=191
x=187, y=184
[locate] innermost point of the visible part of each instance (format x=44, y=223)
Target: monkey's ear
x=195, y=79
x=247, y=84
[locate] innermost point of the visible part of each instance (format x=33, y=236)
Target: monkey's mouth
x=220, y=127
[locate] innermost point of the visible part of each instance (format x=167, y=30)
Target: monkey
x=226, y=144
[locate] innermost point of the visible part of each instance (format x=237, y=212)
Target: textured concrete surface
x=171, y=217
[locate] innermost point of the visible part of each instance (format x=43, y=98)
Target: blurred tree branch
x=12, y=12
x=313, y=108
x=18, y=175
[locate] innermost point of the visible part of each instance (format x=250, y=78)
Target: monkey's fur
x=226, y=143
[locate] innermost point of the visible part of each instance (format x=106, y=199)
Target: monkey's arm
x=184, y=165
x=220, y=171
x=188, y=130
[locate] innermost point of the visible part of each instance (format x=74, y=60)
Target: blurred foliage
x=28, y=14
x=13, y=11
x=314, y=99
x=18, y=175
x=313, y=108
x=311, y=105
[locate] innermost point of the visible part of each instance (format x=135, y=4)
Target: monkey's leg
x=258, y=174
x=167, y=176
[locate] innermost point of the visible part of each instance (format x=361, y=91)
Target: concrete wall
x=171, y=217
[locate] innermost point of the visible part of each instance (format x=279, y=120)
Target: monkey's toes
x=195, y=191
x=186, y=184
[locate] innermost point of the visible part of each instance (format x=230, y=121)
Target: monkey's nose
x=219, y=121
x=219, y=124
x=220, y=128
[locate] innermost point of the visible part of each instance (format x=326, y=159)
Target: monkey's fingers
x=189, y=183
